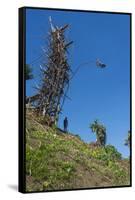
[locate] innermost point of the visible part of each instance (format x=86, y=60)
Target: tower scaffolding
x=55, y=74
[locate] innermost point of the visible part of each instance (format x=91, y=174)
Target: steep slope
x=56, y=160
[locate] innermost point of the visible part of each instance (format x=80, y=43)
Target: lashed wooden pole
x=56, y=73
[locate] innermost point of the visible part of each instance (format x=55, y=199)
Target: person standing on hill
x=65, y=123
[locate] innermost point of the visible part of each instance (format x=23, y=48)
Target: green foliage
x=55, y=160
x=119, y=174
x=128, y=140
x=112, y=153
x=100, y=154
x=106, y=154
x=100, y=131
x=43, y=165
x=28, y=72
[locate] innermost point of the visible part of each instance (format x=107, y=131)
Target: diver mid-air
x=99, y=63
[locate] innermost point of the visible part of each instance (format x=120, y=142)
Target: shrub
x=112, y=153
x=106, y=154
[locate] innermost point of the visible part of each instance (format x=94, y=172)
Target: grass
x=56, y=160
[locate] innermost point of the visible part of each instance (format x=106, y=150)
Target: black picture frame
x=22, y=92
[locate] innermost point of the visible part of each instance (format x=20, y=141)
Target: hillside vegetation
x=56, y=160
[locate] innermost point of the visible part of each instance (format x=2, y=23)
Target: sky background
x=102, y=94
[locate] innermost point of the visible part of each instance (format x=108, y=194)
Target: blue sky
x=95, y=93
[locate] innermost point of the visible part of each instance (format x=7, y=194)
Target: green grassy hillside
x=56, y=160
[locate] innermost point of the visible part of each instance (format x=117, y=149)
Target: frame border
x=22, y=92
x=21, y=97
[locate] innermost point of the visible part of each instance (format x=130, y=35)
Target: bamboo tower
x=55, y=74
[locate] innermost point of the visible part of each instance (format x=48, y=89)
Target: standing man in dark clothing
x=65, y=124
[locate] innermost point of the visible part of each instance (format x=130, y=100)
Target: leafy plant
x=128, y=140
x=119, y=173
x=100, y=131
x=58, y=161
x=112, y=153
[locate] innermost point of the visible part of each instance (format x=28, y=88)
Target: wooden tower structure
x=55, y=74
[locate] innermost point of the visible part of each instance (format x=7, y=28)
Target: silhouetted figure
x=100, y=64
x=65, y=122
